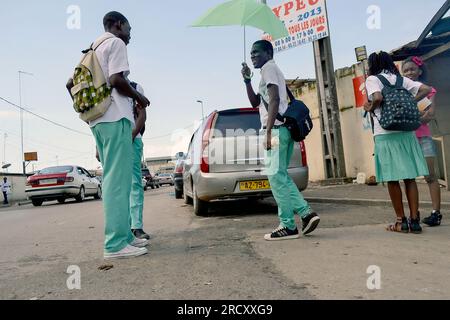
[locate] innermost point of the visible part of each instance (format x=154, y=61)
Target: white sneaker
x=127, y=252
x=140, y=243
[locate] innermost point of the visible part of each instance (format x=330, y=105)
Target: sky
x=176, y=64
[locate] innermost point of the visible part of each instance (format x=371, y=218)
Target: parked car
x=224, y=163
x=144, y=184
x=60, y=183
x=152, y=181
x=178, y=175
x=165, y=178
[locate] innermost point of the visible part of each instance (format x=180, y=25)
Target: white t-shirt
x=6, y=187
x=271, y=74
x=141, y=91
x=373, y=85
x=113, y=58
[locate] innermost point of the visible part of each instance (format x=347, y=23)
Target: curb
x=369, y=202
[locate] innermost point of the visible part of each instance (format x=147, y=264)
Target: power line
x=45, y=119
x=37, y=142
x=168, y=134
x=76, y=131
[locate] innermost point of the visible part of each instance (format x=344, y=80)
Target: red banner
x=360, y=91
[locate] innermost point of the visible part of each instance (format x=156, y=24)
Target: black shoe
x=414, y=226
x=310, y=223
x=282, y=234
x=140, y=234
x=434, y=220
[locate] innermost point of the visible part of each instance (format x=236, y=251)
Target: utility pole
x=5, y=135
x=330, y=125
x=21, y=118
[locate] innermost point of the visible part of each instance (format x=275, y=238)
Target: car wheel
x=187, y=199
x=200, y=207
x=98, y=196
x=61, y=200
x=152, y=186
x=178, y=194
x=37, y=203
x=80, y=197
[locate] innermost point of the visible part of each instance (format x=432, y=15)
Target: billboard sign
x=305, y=20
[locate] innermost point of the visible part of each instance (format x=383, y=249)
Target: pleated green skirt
x=398, y=156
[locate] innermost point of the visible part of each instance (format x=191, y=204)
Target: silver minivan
x=225, y=160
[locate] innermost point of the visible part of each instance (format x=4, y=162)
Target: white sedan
x=61, y=183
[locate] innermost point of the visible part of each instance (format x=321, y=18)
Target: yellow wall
x=356, y=133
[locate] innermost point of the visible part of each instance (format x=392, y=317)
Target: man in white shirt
x=273, y=100
x=6, y=189
x=113, y=136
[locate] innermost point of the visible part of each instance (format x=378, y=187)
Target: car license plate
x=254, y=185
x=48, y=181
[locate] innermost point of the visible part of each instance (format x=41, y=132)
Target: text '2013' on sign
x=305, y=20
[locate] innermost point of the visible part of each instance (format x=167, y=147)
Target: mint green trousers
x=114, y=144
x=137, y=190
x=285, y=191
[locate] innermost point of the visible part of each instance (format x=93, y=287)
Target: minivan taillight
x=204, y=164
x=303, y=150
x=179, y=169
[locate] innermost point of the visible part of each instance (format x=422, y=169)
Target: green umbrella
x=244, y=13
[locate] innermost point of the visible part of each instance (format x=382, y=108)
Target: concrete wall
x=356, y=131
x=18, y=183
x=439, y=79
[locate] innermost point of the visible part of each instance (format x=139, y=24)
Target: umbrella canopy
x=244, y=13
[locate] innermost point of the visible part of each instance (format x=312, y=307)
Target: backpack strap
x=290, y=95
x=385, y=81
x=279, y=116
x=95, y=45
x=399, y=82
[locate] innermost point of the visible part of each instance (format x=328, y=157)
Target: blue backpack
x=399, y=111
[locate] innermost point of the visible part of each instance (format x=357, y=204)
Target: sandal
x=401, y=225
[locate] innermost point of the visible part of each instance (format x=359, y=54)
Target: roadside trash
x=361, y=178
x=372, y=181
x=105, y=267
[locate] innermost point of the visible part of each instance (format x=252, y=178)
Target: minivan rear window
x=240, y=123
x=53, y=170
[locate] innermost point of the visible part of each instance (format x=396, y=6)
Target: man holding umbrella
x=271, y=100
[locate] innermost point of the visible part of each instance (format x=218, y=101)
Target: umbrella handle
x=245, y=46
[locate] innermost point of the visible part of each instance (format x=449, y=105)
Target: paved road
x=219, y=257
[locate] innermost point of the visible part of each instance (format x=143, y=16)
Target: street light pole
x=21, y=117
x=5, y=135
x=203, y=114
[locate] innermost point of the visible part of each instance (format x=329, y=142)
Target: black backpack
x=399, y=111
x=296, y=119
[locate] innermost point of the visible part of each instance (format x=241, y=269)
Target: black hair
x=112, y=18
x=266, y=46
x=379, y=62
x=423, y=76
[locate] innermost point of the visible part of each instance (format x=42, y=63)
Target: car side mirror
x=180, y=155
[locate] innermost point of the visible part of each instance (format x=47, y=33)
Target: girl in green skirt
x=398, y=155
